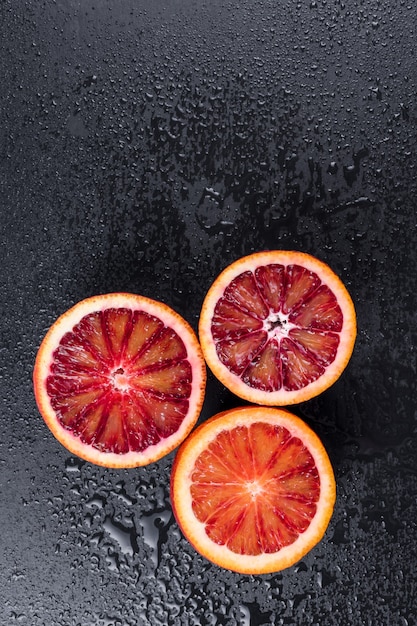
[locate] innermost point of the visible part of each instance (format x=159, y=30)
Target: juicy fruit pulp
x=121, y=381
x=253, y=489
x=276, y=328
x=263, y=505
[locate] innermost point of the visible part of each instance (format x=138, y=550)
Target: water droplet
x=74, y=464
x=124, y=536
x=96, y=501
x=152, y=526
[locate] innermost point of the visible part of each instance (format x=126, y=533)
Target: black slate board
x=143, y=147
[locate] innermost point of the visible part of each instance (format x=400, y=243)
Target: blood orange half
x=253, y=489
x=277, y=327
x=120, y=379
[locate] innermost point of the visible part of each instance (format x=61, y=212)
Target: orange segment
x=277, y=327
x=320, y=311
x=265, y=371
x=111, y=435
x=238, y=353
x=141, y=429
x=173, y=379
x=322, y=346
x=69, y=358
x=71, y=406
x=229, y=320
x=116, y=329
x=144, y=326
x=243, y=291
x=270, y=279
x=300, y=282
x=165, y=414
x=89, y=422
x=253, y=489
x=165, y=346
x=300, y=368
x=89, y=333
x=119, y=379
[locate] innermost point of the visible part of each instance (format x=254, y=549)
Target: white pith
x=277, y=326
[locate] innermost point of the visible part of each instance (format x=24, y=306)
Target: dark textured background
x=144, y=146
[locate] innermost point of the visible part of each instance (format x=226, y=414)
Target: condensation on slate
x=144, y=148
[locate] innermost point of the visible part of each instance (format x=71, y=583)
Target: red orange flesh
x=120, y=379
x=277, y=327
x=253, y=489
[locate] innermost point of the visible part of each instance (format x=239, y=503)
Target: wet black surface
x=143, y=148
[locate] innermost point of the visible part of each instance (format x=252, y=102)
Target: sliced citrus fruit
x=277, y=327
x=120, y=379
x=253, y=489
